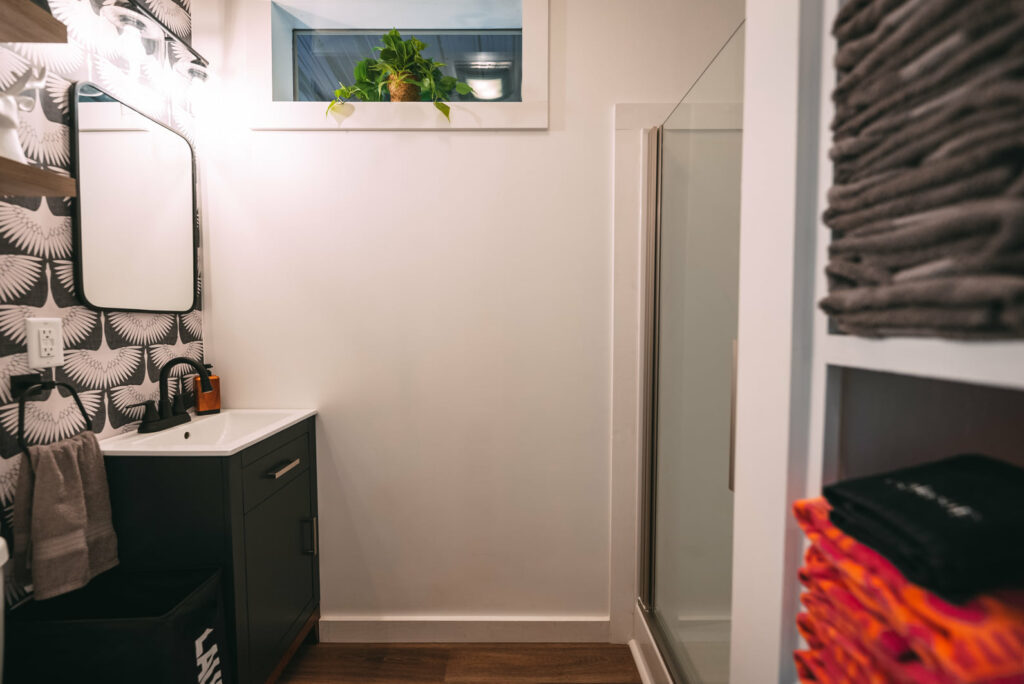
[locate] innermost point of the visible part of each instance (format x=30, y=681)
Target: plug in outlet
x=45, y=339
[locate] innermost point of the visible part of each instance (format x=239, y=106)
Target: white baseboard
x=649, y=664
x=641, y=662
x=464, y=629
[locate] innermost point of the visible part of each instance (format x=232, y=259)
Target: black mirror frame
x=76, y=216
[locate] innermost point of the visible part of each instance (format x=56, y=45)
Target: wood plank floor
x=462, y=664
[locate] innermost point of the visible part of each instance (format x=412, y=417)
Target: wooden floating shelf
x=28, y=181
x=989, y=363
x=26, y=22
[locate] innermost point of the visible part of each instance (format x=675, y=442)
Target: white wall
x=444, y=299
x=779, y=188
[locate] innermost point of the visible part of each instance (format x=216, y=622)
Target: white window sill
x=400, y=116
x=265, y=114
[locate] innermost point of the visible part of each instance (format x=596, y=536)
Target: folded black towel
x=954, y=526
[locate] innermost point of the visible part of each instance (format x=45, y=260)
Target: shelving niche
x=26, y=22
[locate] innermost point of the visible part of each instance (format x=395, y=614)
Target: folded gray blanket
x=63, y=534
x=984, y=317
x=954, y=292
x=919, y=140
x=944, y=258
x=935, y=225
x=895, y=183
x=916, y=97
x=967, y=333
x=933, y=45
x=857, y=18
x=907, y=125
x=893, y=44
x=987, y=183
x=853, y=49
x=927, y=206
x=963, y=263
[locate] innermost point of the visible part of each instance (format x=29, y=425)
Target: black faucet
x=156, y=419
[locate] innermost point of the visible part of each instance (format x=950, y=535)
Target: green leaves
x=400, y=60
x=362, y=70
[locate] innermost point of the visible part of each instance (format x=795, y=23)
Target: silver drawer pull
x=284, y=470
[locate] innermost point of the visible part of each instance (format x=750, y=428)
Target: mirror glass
x=135, y=229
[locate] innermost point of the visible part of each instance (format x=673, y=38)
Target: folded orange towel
x=980, y=641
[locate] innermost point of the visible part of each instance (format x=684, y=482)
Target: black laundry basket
x=123, y=628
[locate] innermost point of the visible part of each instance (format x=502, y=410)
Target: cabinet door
x=280, y=568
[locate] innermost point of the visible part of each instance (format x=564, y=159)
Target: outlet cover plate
x=45, y=339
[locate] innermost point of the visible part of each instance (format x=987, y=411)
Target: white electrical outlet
x=45, y=339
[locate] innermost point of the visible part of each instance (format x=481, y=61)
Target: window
x=298, y=50
x=489, y=60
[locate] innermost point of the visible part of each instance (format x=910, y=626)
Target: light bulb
x=131, y=47
x=196, y=94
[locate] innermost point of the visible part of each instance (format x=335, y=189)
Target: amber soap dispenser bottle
x=207, y=402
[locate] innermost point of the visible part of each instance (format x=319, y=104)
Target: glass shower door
x=696, y=309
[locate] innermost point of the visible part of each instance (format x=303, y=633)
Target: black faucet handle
x=178, y=406
x=150, y=413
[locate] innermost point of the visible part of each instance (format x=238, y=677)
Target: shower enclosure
x=686, y=557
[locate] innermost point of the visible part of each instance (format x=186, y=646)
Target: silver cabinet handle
x=283, y=470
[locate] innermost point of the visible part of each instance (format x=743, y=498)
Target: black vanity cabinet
x=253, y=515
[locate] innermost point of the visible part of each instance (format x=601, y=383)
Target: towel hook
x=23, y=386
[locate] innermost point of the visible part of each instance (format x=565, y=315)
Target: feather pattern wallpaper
x=111, y=358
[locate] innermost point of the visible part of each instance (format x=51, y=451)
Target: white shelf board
x=992, y=363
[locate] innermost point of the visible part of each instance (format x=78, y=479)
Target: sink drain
x=187, y=435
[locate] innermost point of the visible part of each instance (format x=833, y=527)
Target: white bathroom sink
x=220, y=434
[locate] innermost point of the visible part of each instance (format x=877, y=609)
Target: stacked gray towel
x=927, y=209
x=63, y=534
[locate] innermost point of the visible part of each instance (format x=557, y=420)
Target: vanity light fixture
x=195, y=77
x=129, y=17
x=140, y=39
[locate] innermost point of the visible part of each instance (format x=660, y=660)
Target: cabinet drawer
x=280, y=560
x=275, y=470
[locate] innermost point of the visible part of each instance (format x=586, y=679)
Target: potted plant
x=405, y=73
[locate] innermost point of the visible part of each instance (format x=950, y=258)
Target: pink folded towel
x=63, y=534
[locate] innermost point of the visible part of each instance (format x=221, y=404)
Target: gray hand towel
x=63, y=534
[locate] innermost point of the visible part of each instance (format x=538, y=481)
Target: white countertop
x=220, y=434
